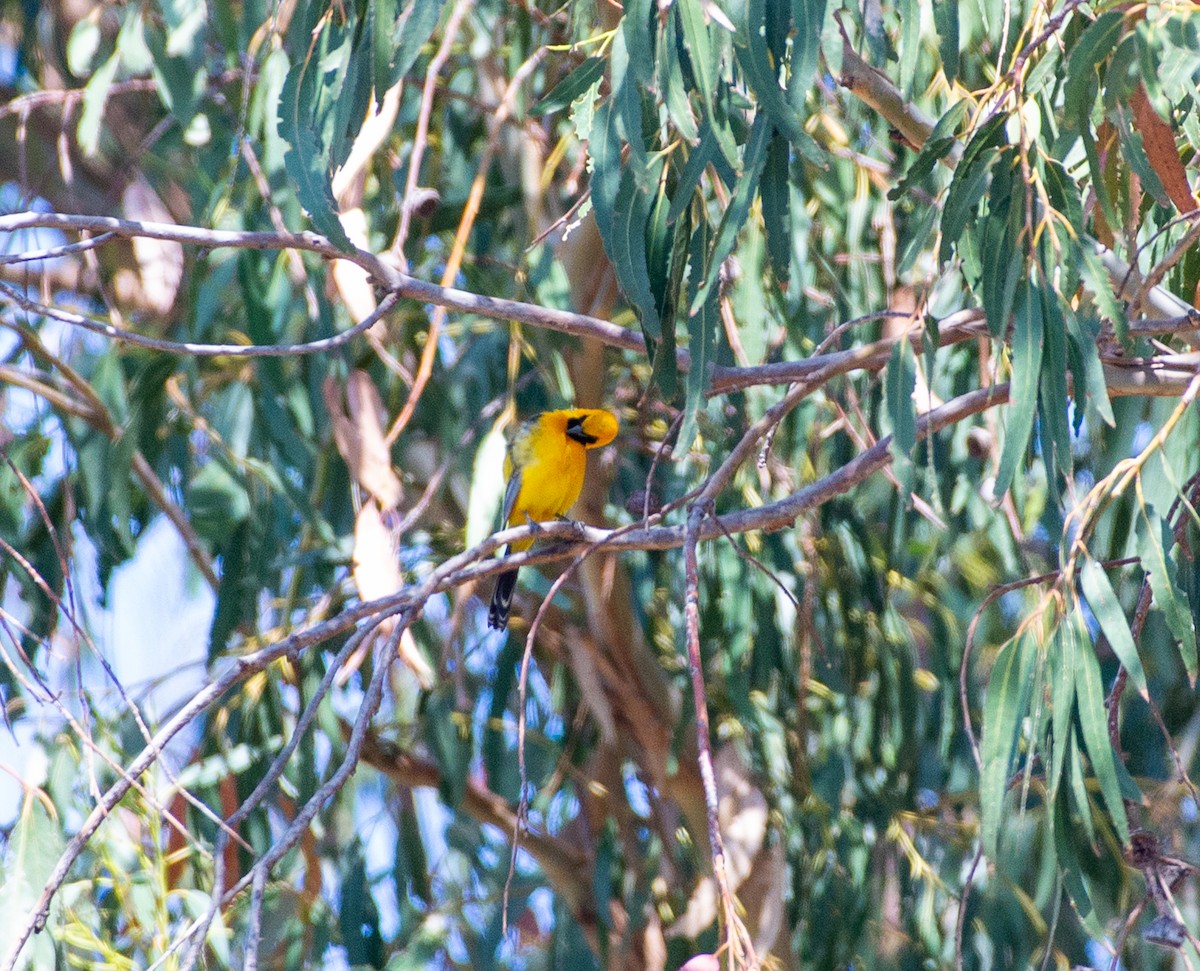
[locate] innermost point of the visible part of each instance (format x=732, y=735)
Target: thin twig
x=321, y=346
x=461, y=236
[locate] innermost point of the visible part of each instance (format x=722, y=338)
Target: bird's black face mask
x=575, y=431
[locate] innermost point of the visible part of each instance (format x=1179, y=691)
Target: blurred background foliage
x=755, y=183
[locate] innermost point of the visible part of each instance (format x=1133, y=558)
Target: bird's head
x=590, y=427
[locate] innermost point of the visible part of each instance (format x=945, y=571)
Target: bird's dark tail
x=506, y=583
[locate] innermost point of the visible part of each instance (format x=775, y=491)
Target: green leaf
x=966, y=189
x=945, y=19
x=775, y=192
x=1061, y=664
x=381, y=20
x=639, y=42
x=1086, y=367
x=1135, y=154
x=700, y=52
x=666, y=257
x=358, y=916
x=1053, y=392
x=571, y=87
x=1154, y=539
x=1078, y=790
x=808, y=16
x=487, y=487
x=181, y=77
x=762, y=73
x=410, y=32
x=702, y=340
x=1095, y=44
x=1002, y=234
x=32, y=848
x=704, y=61
x=308, y=157
x=95, y=94
x=448, y=734
x=674, y=90
x=1111, y=616
x=739, y=207
x=1026, y=366
x=1003, y=717
x=909, y=12
x=237, y=594
x=604, y=160
x=1093, y=721
x=1100, y=287
x=698, y=160
x=1071, y=868
x=626, y=247
x=186, y=24
x=970, y=179
x=920, y=226
x=83, y=45
x=216, y=501
x=937, y=146
x=899, y=384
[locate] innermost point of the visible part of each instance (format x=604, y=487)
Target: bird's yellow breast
x=552, y=468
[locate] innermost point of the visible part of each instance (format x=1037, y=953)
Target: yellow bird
x=544, y=467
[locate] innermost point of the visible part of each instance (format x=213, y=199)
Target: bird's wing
x=510, y=495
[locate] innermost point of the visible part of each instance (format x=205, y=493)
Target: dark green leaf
x=217, y=501
x=1100, y=287
x=1135, y=154
x=808, y=16
x=702, y=339
x=1095, y=44
x=1061, y=661
x=1004, y=713
x=411, y=30
x=945, y=18
x=571, y=87
x=627, y=250
x=666, y=254
x=303, y=109
x=775, y=191
x=237, y=595
x=1154, y=539
x=675, y=91
x=693, y=170
x=1111, y=615
x=1078, y=787
x=704, y=61
x=937, y=146
x=1026, y=366
x=1093, y=720
x=900, y=382
x=604, y=152
x=448, y=734
x=739, y=207
x=966, y=189
x=762, y=73
x=1053, y=391
x=909, y=12
x=1086, y=367
x=1071, y=868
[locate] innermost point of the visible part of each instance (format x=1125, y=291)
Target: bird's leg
x=534, y=527
x=579, y=527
